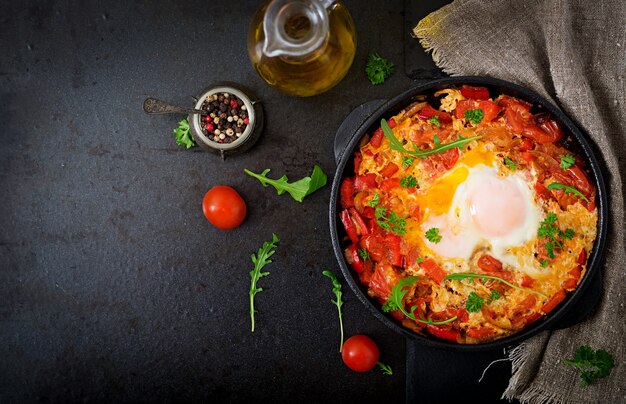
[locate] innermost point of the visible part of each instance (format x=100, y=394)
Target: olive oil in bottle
x=302, y=47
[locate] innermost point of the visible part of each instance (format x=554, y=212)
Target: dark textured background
x=113, y=285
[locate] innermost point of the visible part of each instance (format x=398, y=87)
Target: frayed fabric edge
x=423, y=31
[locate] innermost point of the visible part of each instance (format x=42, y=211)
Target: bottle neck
x=295, y=28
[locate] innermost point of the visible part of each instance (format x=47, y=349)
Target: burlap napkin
x=574, y=53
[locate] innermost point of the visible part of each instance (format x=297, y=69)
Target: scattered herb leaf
x=374, y=201
x=567, y=161
x=473, y=304
x=338, y=302
x=510, y=163
x=435, y=121
x=395, y=302
x=419, y=260
x=386, y=369
x=471, y=276
x=364, y=254
x=182, y=134
x=392, y=223
x=298, y=189
x=432, y=235
x=407, y=162
x=549, y=230
x=378, y=69
x=592, y=364
x=260, y=260
x=545, y=263
x=408, y=182
x=474, y=115
x=568, y=190
x=495, y=295
x=396, y=144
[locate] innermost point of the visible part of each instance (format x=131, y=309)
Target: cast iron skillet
x=576, y=142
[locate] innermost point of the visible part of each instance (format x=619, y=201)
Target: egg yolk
x=497, y=206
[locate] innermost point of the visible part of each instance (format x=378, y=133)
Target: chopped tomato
x=392, y=123
x=369, y=212
x=582, y=257
x=389, y=170
x=490, y=110
x=374, y=245
x=389, y=184
x=527, y=281
x=433, y=270
x=489, y=264
x=481, y=333
x=476, y=93
x=553, y=302
x=377, y=138
x=393, y=250
x=352, y=257
x=348, y=224
x=428, y=112
x=383, y=279
x=526, y=145
x=528, y=157
x=542, y=191
x=347, y=193
x=416, y=212
x=462, y=106
x=358, y=221
x=443, y=333
x=366, y=181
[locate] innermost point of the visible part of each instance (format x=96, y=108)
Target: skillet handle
x=351, y=124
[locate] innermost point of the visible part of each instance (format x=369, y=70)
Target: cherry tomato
x=224, y=207
x=360, y=353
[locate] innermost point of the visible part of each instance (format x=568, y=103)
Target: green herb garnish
x=378, y=69
x=474, y=115
x=260, y=260
x=364, y=254
x=592, y=364
x=386, y=369
x=473, y=304
x=495, y=295
x=432, y=235
x=549, y=230
x=510, y=163
x=395, y=302
x=338, y=302
x=419, y=260
x=568, y=190
x=406, y=162
x=299, y=189
x=435, y=121
x=408, y=182
x=393, y=222
x=396, y=144
x=544, y=263
x=567, y=161
x=484, y=278
x=182, y=134
x=374, y=201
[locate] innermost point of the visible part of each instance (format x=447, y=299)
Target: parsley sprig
x=374, y=201
x=484, y=278
x=378, y=69
x=592, y=365
x=408, y=182
x=396, y=144
x=260, y=260
x=474, y=303
x=474, y=115
x=435, y=121
x=363, y=254
x=568, y=190
x=406, y=162
x=395, y=302
x=567, y=161
x=433, y=235
x=393, y=222
x=338, y=302
x=182, y=135
x=555, y=236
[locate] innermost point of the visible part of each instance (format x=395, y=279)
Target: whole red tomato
x=224, y=207
x=360, y=353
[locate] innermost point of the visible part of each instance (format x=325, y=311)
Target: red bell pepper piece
x=358, y=158
x=428, y=112
x=347, y=193
x=393, y=250
x=377, y=138
x=361, y=226
x=582, y=257
x=433, y=270
x=490, y=110
x=348, y=224
x=389, y=170
x=443, y=333
x=364, y=182
x=553, y=302
x=489, y=264
x=480, y=333
x=527, y=144
x=389, y=184
x=392, y=123
x=476, y=93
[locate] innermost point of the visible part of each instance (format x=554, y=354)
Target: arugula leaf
x=592, y=365
x=395, y=302
x=432, y=235
x=386, y=369
x=338, y=302
x=374, y=201
x=182, y=134
x=298, y=189
x=473, y=304
x=408, y=182
x=260, y=260
x=474, y=115
x=364, y=254
x=406, y=162
x=510, y=163
x=378, y=69
x=396, y=144
x=435, y=121
x=567, y=161
x=471, y=276
x=568, y=190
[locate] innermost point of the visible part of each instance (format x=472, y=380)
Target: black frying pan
x=348, y=139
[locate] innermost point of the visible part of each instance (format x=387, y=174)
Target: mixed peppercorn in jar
x=227, y=117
